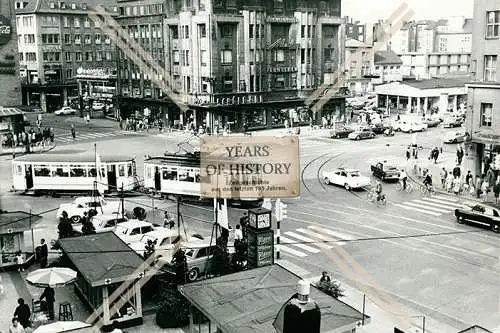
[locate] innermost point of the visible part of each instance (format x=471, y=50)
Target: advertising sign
x=249, y=166
x=5, y=30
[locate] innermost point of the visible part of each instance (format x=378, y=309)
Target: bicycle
x=427, y=190
x=372, y=197
x=409, y=187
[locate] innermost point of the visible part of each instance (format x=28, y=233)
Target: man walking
x=444, y=175
x=404, y=178
x=44, y=253
x=49, y=295
x=73, y=132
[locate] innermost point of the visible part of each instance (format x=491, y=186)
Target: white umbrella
x=61, y=326
x=51, y=277
x=267, y=203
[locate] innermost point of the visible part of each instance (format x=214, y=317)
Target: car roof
x=347, y=170
x=161, y=233
x=87, y=199
x=135, y=223
x=106, y=217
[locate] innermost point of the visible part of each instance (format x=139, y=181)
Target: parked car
x=98, y=106
x=82, y=205
x=349, y=178
x=103, y=223
x=385, y=171
x=341, y=132
x=379, y=128
x=482, y=214
x=452, y=121
x=362, y=133
x=132, y=230
x=409, y=126
x=455, y=137
x=431, y=121
x=65, y=110
x=164, y=240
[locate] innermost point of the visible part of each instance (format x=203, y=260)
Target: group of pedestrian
x=39, y=137
x=454, y=182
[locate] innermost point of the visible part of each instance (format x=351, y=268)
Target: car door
x=477, y=214
x=342, y=178
x=336, y=178
x=134, y=235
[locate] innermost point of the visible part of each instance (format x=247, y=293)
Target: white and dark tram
x=179, y=175
x=52, y=173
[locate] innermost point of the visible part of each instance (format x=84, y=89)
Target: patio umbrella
x=51, y=277
x=61, y=326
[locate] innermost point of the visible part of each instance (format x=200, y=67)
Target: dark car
x=385, y=171
x=379, y=128
x=431, y=122
x=362, y=133
x=480, y=214
x=340, y=132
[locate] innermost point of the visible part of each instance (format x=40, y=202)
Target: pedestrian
x=435, y=154
x=404, y=178
x=52, y=135
x=449, y=182
x=20, y=261
x=16, y=327
x=325, y=277
x=44, y=253
x=73, y=132
x=23, y=313
x=444, y=175
x=49, y=296
x=460, y=154
x=456, y=171
x=479, y=183
x=485, y=189
x=496, y=190
x=243, y=223
x=238, y=234
x=456, y=186
x=468, y=178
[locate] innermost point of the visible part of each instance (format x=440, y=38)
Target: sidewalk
x=20, y=151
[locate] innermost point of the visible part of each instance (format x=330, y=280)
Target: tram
x=179, y=174
x=59, y=173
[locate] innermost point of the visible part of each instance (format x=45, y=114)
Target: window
x=121, y=170
x=77, y=171
x=42, y=171
x=88, y=56
x=175, y=57
x=174, y=31
x=60, y=171
x=21, y=56
x=490, y=67
x=78, y=39
x=279, y=55
x=302, y=56
x=226, y=30
x=97, y=38
x=108, y=55
x=486, y=114
x=226, y=56
x=250, y=30
x=66, y=21
x=67, y=56
x=67, y=39
x=30, y=56
x=76, y=22
x=86, y=22
x=98, y=56
x=69, y=73
x=170, y=174
x=492, y=23
x=203, y=56
x=88, y=40
x=186, y=31
x=186, y=58
x=202, y=28
x=302, y=31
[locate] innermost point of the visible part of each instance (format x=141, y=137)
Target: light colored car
x=452, y=121
x=103, y=223
x=408, y=126
x=98, y=106
x=82, y=205
x=132, y=230
x=349, y=178
x=65, y=110
x=455, y=137
x=361, y=134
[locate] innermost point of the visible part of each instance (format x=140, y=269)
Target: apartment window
x=21, y=56
x=97, y=38
x=202, y=28
x=279, y=55
x=302, y=31
x=107, y=39
x=88, y=56
x=308, y=31
x=486, y=114
x=203, y=56
x=250, y=30
x=226, y=30
x=66, y=21
x=78, y=39
x=98, y=56
x=492, y=23
x=30, y=56
x=88, y=40
x=186, y=31
x=108, y=55
x=175, y=57
x=76, y=22
x=226, y=56
x=174, y=31
x=302, y=56
x=78, y=56
x=29, y=39
x=186, y=58
x=86, y=22
x=490, y=67
x=67, y=56
x=67, y=39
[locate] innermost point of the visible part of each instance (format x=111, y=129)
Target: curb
x=22, y=154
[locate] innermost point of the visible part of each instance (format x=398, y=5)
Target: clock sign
x=259, y=218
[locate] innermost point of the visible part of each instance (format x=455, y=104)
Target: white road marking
x=333, y=233
x=285, y=248
x=456, y=204
x=413, y=204
x=417, y=210
x=302, y=238
x=289, y=242
x=320, y=236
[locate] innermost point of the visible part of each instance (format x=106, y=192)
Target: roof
x=351, y=42
x=16, y=221
x=72, y=156
x=438, y=83
x=44, y=6
x=7, y=112
x=387, y=57
x=102, y=258
x=476, y=329
x=249, y=301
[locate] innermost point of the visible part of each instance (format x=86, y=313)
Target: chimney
x=303, y=290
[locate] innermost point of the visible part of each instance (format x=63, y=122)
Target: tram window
x=60, y=171
x=134, y=168
x=170, y=174
x=197, y=176
x=121, y=170
x=19, y=170
x=129, y=169
x=148, y=171
x=92, y=172
x=77, y=171
x=42, y=171
x=103, y=173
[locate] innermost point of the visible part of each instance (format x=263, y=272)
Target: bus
x=179, y=175
x=56, y=173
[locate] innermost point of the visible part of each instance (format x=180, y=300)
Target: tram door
x=29, y=176
x=111, y=175
x=157, y=179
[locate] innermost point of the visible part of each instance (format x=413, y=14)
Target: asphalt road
x=412, y=248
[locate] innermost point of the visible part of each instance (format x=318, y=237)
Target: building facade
x=358, y=66
x=9, y=88
x=232, y=63
x=483, y=117
x=56, y=38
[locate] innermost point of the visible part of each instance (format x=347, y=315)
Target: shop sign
x=249, y=167
x=5, y=30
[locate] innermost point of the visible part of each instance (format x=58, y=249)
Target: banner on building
x=249, y=166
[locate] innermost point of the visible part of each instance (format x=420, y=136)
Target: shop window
x=486, y=114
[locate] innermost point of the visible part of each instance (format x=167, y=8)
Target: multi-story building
x=56, y=40
x=433, y=48
x=358, y=66
x=232, y=63
x=386, y=67
x=362, y=32
x=9, y=86
x=483, y=114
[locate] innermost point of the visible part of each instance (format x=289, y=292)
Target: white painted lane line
x=417, y=210
x=413, y=204
x=320, y=236
x=285, y=248
x=302, y=238
x=332, y=233
x=93, y=135
x=289, y=242
x=442, y=197
x=433, y=204
x=457, y=205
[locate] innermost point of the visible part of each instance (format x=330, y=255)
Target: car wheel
x=382, y=178
x=495, y=228
x=327, y=181
x=460, y=220
x=347, y=187
x=372, y=136
x=410, y=131
x=358, y=138
x=76, y=219
x=193, y=275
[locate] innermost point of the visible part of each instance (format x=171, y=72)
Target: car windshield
x=354, y=174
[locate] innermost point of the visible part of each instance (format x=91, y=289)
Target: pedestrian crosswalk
x=436, y=205
x=91, y=136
